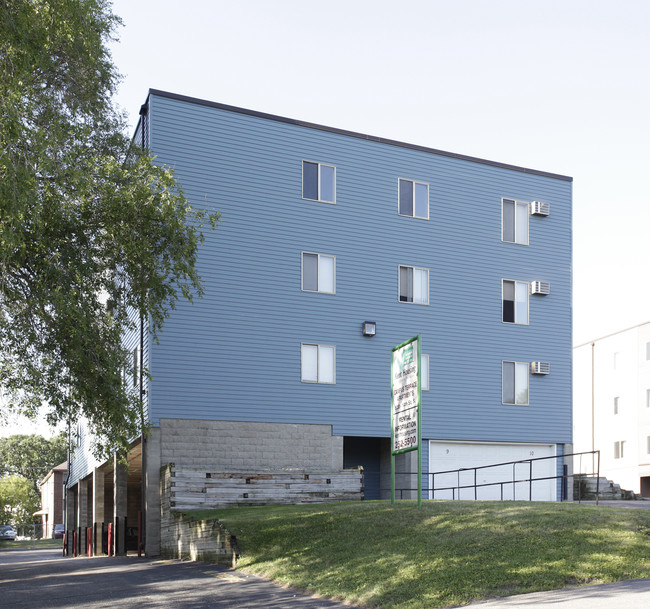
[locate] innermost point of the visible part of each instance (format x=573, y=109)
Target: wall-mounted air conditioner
x=538, y=208
x=540, y=367
x=540, y=287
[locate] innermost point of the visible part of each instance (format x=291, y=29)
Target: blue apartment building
x=322, y=230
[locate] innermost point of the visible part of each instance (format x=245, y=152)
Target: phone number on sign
x=405, y=442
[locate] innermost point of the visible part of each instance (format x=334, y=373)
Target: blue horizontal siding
x=235, y=354
x=83, y=461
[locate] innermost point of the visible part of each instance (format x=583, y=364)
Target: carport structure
x=103, y=511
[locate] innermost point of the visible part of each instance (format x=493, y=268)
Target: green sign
x=405, y=397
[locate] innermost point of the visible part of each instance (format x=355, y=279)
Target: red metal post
x=110, y=539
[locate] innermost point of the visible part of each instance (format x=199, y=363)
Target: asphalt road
x=40, y=579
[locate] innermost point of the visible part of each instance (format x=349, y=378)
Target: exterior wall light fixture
x=369, y=328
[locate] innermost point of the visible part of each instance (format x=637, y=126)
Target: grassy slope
x=442, y=554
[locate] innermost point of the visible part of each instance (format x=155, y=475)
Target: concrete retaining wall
x=185, y=489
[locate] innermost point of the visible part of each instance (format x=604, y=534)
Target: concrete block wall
x=249, y=446
x=185, y=538
x=227, y=447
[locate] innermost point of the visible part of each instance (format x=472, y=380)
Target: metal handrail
x=455, y=490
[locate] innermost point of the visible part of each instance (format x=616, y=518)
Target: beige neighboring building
x=611, y=406
x=51, y=511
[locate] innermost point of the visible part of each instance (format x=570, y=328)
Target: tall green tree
x=18, y=501
x=94, y=235
x=31, y=456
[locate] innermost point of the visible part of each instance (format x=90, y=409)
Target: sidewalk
x=639, y=504
x=630, y=594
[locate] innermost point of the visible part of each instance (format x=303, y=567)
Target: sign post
x=405, y=413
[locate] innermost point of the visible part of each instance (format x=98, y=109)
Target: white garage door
x=498, y=481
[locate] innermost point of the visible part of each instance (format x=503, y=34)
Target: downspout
x=143, y=442
x=144, y=110
x=65, y=495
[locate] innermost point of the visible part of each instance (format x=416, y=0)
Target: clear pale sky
x=555, y=85
x=561, y=86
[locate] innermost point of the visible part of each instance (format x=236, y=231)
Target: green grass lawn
x=444, y=553
x=25, y=544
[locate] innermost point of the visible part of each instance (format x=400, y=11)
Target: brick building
x=52, y=498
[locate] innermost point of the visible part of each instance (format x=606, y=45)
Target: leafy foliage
x=31, y=457
x=18, y=501
x=94, y=235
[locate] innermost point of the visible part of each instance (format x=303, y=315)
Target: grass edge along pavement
x=445, y=553
x=27, y=544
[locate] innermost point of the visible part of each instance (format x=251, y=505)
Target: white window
x=647, y=398
x=413, y=199
x=413, y=285
x=514, y=221
x=424, y=371
x=318, y=182
x=515, y=301
x=619, y=449
x=317, y=363
x=616, y=405
x=318, y=273
x=515, y=383
x=647, y=441
x=647, y=351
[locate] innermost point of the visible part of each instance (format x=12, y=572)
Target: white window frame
x=424, y=365
x=399, y=287
x=519, y=239
x=527, y=367
x=617, y=404
x=619, y=449
x=399, y=198
x=318, y=381
x=515, y=281
x=320, y=165
x=302, y=272
x=647, y=398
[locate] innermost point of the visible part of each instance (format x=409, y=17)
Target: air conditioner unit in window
x=540, y=287
x=538, y=208
x=540, y=367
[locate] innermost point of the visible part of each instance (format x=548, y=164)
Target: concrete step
x=585, y=487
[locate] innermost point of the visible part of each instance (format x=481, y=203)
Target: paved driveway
x=40, y=579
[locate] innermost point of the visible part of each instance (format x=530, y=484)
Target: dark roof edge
x=291, y=121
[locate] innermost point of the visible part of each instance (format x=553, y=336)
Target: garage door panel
x=497, y=481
